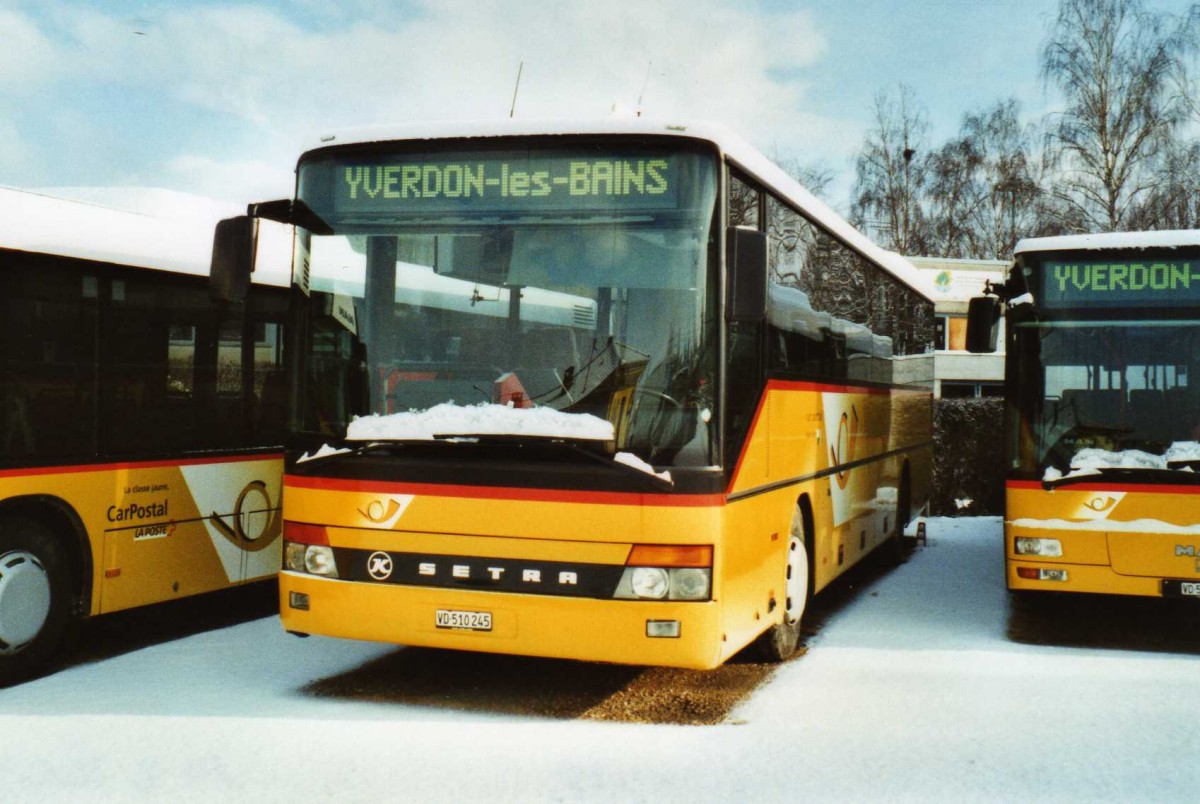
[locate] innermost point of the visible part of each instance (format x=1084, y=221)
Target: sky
x=220, y=98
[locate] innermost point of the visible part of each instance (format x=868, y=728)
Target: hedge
x=968, y=461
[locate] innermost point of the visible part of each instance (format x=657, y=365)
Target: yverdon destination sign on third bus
x=1110, y=283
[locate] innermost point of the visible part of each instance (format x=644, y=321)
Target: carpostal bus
x=621, y=392
x=1103, y=386
x=140, y=452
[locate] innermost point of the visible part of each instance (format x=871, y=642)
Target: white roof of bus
x=1111, y=240
x=733, y=146
x=42, y=223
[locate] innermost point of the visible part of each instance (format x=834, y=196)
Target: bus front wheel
x=779, y=641
x=34, y=598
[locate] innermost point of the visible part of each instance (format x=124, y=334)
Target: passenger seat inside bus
x=1094, y=407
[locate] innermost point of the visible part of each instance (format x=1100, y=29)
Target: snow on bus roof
x=1177, y=238
x=730, y=144
x=93, y=226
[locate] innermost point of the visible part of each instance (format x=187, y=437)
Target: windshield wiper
x=609, y=461
x=1173, y=474
x=327, y=453
x=572, y=445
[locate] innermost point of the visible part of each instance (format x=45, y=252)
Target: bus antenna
x=645, y=83
x=512, y=109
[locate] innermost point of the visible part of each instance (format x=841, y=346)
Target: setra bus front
x=1103, y=375
x=506, y=398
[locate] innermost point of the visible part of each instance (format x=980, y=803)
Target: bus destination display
x=1148, y=283
x=479, y=184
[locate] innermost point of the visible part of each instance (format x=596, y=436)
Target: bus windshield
x=576, y=279
x=1098, y=386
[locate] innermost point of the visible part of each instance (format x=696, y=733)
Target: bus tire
x=35, y=598
x=892, y=551
x=780, y=641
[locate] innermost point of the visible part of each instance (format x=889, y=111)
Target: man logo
x=379, y=566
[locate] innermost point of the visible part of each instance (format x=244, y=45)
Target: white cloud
x=16, y=157
x=283, y=79
x=27, y=57
x=707, y=58
x=236, y=180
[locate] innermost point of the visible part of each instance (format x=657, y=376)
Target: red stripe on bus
x=1132, y=488
x=33, y=471
x=505, y=492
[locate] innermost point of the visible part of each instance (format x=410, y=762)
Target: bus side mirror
x=234, y=243
x=746, y=260
x=983, y=324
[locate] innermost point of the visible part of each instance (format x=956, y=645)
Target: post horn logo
x=255, y=523
x=1101, y=504
x=845, y=446
x=381, y=512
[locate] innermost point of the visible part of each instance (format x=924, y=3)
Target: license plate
x=1181, y=588
x=463, y=620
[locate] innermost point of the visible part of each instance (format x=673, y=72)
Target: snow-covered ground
x=912, y=691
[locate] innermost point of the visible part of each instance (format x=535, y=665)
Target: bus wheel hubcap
x=24, y=599
x=797, y=580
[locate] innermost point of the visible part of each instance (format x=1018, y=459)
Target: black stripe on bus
x=845, y=467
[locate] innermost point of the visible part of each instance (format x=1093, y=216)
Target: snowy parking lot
x=926, y=684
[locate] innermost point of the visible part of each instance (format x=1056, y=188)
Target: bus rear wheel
x=34, y=598
x=780, y=641
x=893, y=550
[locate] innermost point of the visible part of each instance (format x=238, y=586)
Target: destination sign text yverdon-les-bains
x=1111, y=283
x=478, y=184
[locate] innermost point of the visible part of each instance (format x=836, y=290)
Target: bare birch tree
x=1118, y=67
x=984, y=185
x=890, y=174
x=1174, y=201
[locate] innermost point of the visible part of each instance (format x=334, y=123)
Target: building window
x=952, y=333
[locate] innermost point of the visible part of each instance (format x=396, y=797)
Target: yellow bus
x=1103, y=386
x=619, y=391
x=140, y=455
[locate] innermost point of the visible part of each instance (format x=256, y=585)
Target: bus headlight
x=315, y=559
x=665, y=583
x=318, y=559
x=1046, y=548
x=651, y=583
x=667, y=572
x=690, y=583
x=293, y=556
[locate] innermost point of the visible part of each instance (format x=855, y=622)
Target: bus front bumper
x=670, y=634
x=1087, y=578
